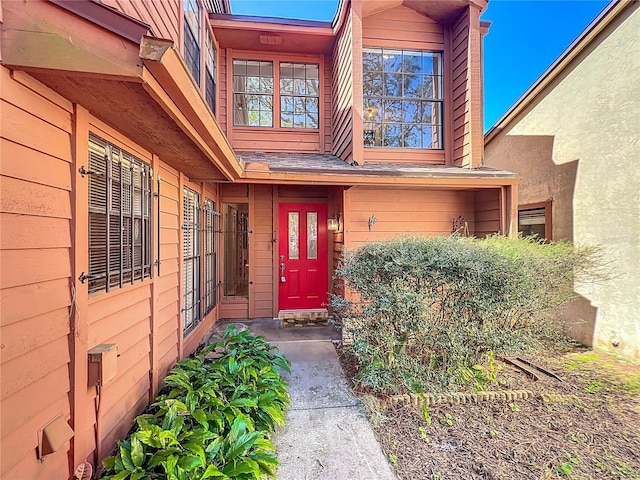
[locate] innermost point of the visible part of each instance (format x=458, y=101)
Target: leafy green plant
x=446, y=420
x=566, y=468
x=215, y=418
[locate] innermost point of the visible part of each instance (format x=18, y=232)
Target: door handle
x=283, y=279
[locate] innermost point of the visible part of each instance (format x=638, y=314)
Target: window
x=120, y=243
x=254, y=96
x=402, y=98
x=210, y=278
x=299, y=95
x=236, y=250
x=210, y=73
x=191, y=259
x=535, y=219
x=192, y=38
x=252, y=93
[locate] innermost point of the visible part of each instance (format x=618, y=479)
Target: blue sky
x=525, y=37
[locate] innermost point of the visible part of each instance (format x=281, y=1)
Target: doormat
x=304, y=319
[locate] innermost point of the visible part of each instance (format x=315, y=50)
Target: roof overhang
x=141, y=89
x=314, y=169
x=442, y=11
x=272, y=34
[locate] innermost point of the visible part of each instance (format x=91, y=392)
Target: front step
x=304, y=318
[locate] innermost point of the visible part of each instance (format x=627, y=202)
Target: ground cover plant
x=214, y=418
x=431, y=313
x=583, y=428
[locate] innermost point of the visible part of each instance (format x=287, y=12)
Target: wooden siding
x=336, y=207
x=401, y=27
x=403, y=211
x=162, y=15
x=35, y=212
x=487, y=211
x=275, y=140
x=261, y=260
x=468, y=142
x=223, y=116
x=342, y=117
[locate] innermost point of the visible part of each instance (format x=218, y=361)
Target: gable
x=401, y=26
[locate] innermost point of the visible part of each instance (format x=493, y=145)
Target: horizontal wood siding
x=222, y=91
x=402, y=27
x=461, y=89
x=336, y=206
x=487, y=211
x=403, y=211
x=262, y=256
x=275, y=140
x=167, y=286
x=342, y=93
x=326, y=102
x=35, y=241
x=162, y=15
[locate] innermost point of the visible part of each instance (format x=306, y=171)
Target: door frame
x=277, y=200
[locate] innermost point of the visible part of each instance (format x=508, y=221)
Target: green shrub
x=215, y=419
x=427, y=310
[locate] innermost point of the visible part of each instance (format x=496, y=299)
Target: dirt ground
x=586, y=426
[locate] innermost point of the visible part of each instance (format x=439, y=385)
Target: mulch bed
x=585, y=427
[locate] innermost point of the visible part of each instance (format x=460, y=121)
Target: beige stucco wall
x=579, y=144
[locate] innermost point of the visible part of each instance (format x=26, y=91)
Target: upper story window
x=254, y=95
x=403, y=98
x=210, y=73
x=120, y=198
x=299, y=95
x=192, y=25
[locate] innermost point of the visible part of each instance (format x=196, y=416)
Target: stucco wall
x=579, y=144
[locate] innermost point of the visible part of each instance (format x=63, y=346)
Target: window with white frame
x=120, y=196
x=403, y=98
x=192, y=26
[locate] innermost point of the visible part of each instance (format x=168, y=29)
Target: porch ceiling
x=442, y=11
x=328, y=169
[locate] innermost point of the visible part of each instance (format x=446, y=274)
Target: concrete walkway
x=326, y=437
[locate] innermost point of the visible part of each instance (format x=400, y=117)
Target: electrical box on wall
x=103, y=364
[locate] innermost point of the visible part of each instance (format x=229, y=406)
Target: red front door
x=302, y=256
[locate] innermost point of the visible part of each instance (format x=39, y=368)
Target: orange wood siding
x=168, y=325
x=162, y=15
x=261, y=262
x=403, y=211
x=401, y=27
x=275, y=140
x=468, y=141
x=35, y=241
x=487, y=211
x=222, y=116
x=336, y=207
x=342, y=120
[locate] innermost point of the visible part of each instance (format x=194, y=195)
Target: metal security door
x=302, y=256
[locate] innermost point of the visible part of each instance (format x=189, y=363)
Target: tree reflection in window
x=402, y=98
x=299, y=95
x=252, y=93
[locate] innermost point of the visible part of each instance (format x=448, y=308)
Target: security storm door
x=302, y=256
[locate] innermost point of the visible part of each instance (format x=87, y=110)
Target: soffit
x=276, y=35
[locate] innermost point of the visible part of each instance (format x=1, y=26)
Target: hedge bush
x=427, y=311
x=215, y=418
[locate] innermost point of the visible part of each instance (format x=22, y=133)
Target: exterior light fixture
x=333, y=223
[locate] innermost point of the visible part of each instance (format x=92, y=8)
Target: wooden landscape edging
x=475, y=397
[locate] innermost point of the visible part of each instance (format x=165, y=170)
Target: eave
x=442, y=11
x=141, y=89
x=293, y=36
